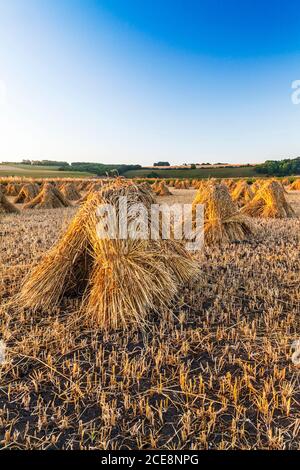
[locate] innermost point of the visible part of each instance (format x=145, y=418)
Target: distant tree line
x=45, y=163
x=285, y=167
x=101, y=169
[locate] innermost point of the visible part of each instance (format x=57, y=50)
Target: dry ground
x=213, y=371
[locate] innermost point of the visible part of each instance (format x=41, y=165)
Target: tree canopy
x=285, y=167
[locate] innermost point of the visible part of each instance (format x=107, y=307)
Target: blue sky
x=130, y=81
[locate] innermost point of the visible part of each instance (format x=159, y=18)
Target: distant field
x=53, y=172
x=39, y=172
x=197, y=173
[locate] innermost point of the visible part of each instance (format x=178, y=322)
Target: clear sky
x=137, y=81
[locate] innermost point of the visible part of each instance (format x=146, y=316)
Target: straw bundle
x=13, y=189
x=162, y=190
x=185, y=184
x=222, y=221
x=284, y=189
x=92, y=188
x=242, y=193
x=230, y=183
x=48, y=198
x=6, y=207
x=258, y=184
x=119, y=281
x=201, y=185
x=27, y=193
x=182, y=184
x=145, y=186
x=198, y=184
x=295, y=186
x=269, y=202
x=286, y=181
x=155, y=185
x=70, y=192
x=82, y=186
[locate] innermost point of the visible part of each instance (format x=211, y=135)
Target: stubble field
x=213, y=370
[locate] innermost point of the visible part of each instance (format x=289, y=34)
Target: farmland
x=36, y=171
x=212, y=369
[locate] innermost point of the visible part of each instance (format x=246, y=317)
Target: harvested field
x=212, y=371
x=149, y=232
